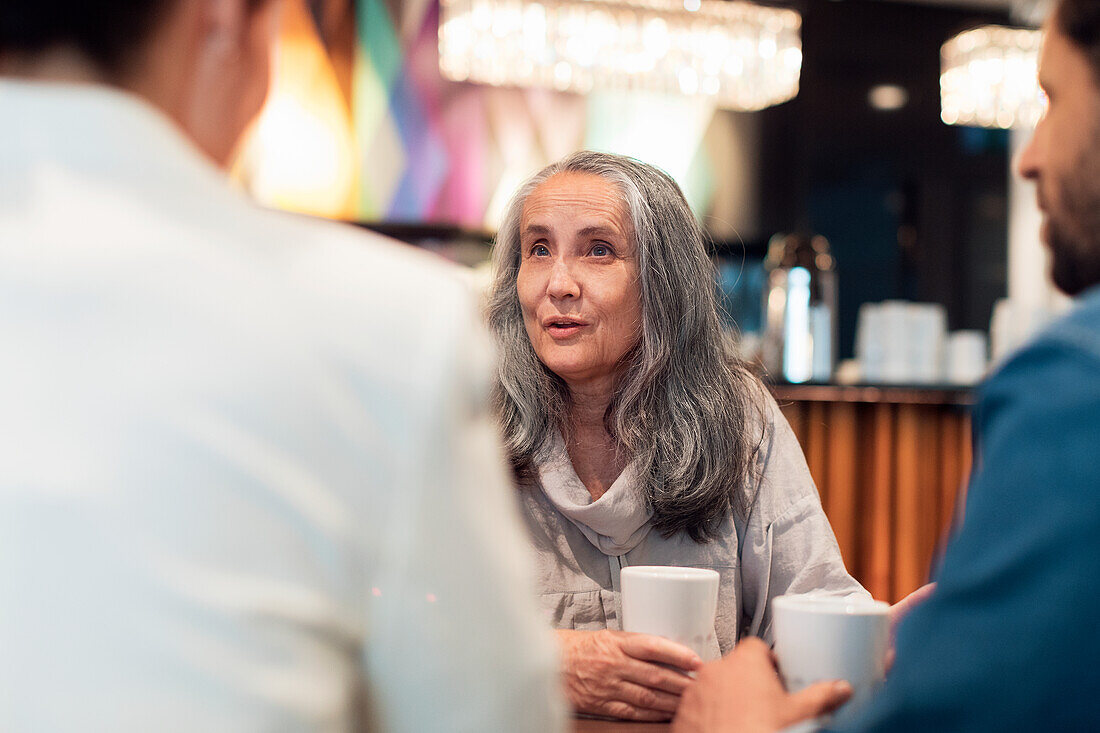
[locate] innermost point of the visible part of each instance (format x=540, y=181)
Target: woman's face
x=578, y=279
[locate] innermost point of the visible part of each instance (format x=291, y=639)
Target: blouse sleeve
x=787, y=544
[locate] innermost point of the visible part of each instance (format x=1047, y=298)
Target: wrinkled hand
x=618, y=674
x=743, y=693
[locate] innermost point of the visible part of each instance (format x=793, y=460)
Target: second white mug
x=819, y=638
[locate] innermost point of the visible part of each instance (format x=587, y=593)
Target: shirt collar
x=616, y=522
x=97, y=127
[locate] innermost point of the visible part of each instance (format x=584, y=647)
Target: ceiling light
x=989, y=78
x=888, y=97
x=741, y=55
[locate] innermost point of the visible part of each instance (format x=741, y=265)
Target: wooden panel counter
x=890, y=464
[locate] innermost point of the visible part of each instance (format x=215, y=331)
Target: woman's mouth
x=563, y=328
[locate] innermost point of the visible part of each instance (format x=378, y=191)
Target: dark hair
x=108, y=32
x=1079, y=21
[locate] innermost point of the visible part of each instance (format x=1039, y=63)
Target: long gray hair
x=683, y=407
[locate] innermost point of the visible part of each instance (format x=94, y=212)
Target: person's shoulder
x=1079, y=329
x=783, y=482
x=1038, y=425
x=358, y=284
x=1043, y=403
x=406, y=316
x=1068, y=349
x=342, y=261
x=763, y=414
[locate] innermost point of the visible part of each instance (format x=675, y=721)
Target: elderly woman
x=636, y=437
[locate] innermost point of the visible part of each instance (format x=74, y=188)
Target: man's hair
x=685, y=410
x=1079, y=21
x=107, y=32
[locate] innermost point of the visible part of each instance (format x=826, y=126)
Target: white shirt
x=247, y=477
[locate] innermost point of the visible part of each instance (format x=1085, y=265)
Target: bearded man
x=1010, y=638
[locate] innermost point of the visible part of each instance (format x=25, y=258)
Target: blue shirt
x=1010, y=640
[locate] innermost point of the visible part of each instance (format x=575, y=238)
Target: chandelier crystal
x=989, y=78
x=744, y=56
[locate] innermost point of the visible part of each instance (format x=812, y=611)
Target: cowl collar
x=616, y=522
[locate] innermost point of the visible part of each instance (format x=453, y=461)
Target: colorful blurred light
x=301, y=154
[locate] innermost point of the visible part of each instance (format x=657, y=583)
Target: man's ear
x=225, y=26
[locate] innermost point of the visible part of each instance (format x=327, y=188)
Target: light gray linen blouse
x=785, y=545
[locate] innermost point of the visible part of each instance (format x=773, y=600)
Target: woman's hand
x=619, y=674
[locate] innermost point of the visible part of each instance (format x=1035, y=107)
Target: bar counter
x=890, y=463
x=875, y=393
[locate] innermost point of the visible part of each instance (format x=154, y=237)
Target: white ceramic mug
x=819, y=638
x=674, y=602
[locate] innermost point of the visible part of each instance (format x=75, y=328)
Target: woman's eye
x=540, y=250
x=601, y=250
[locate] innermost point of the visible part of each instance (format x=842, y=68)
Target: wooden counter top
x=875, y=394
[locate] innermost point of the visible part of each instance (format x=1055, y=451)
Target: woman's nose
x=562, y=282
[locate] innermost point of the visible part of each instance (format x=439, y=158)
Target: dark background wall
x=913, y=208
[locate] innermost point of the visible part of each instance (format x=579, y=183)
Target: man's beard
x=1074, y=234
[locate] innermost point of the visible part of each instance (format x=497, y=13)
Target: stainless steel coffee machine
x=800, y=309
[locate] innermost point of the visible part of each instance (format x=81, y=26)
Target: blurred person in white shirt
x=247, y=477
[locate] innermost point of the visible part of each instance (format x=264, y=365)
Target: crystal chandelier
x=743, y=56
x=989, y=78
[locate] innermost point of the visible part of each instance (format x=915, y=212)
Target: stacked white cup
x=966, y=357
x=898, y=342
